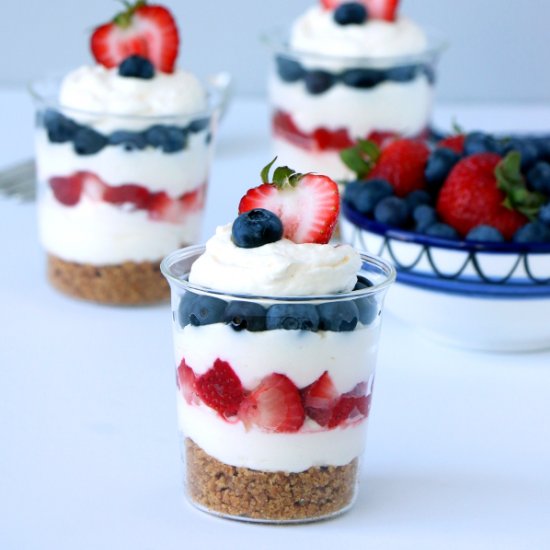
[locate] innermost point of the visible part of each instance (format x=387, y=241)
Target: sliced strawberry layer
x=319, y=399
x=187, y=383
x=274, y=406
x=323, y=139
x=68, y=190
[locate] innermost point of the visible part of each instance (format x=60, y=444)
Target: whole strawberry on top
x=145, y=30
x=376, y=9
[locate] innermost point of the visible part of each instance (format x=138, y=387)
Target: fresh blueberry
x=544, y=214
x=318, y=82
x=404, y=73
x=137, y=67
x=292, y=317
x=338, y=316
x=362, y=78
x=60, y=128
x=392, y=211
x=350, y=13
x=478, y=142
x=170, y=139
x=543, y=147
x=351, y=190
x=199, y=125
x=424, y=216
x=88, y=142
x=438, y=167
x=289, y=70
x=539, y=177
x=367, y=306
x=532, y=232
x=485, y=233
x=416, y=198
x=526, y=148
x=199, y=310
x=242, y=315
x=256, y=228
x=369, y=194
x=441, y=230
x=130, y=140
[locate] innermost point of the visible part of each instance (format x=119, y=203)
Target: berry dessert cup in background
x=336, y=80
x=123, y=150
x=274, y=394
x=116, y=193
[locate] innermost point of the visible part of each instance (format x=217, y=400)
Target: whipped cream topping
x=282, y=268
x=102, y=90
x=317, y=32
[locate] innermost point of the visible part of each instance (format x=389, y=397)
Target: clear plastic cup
x=273, y=394
x=116, y=193
x=321, y=104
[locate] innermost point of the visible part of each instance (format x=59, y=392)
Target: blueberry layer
x=320, y=81
x=87, y=141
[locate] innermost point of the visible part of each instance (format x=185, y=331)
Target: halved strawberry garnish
x=146, y=30
x=187, y=383
x=377, y=9
x=221, y=389
x=319, y=398
x=307, y=204
x=274, y=406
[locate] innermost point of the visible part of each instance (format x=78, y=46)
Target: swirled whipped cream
x=101, y=90
x=282, y=268
x=317, y=32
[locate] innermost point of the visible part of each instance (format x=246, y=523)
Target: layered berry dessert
x=474, y=187
x=276, y=334
x=350, y=70
x=122, y=156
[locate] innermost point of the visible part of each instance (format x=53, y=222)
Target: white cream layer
x=303, y=356
x=402, y=107
x=317, y=32
x=282, y=268
x=302, y=160
x=175, y=173
x=102, y=93
x=230, y=443
x=99, y=233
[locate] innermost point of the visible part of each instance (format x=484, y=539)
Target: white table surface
x=458, y=453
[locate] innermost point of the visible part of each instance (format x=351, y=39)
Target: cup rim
x=276, y=39
x=218, y=88
x=171, y=259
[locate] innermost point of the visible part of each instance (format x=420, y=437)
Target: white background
x=499, y=49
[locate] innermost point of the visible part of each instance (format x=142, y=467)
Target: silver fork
x=19, y=181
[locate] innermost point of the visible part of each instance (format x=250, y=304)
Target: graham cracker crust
x=128, y=283
x=245, y=494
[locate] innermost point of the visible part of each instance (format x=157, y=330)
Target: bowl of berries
x=466, y=222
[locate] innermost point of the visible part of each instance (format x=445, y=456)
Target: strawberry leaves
x=361, y=158
x=283, y=176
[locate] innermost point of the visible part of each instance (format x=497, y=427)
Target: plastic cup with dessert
x=273, y=394
x=321, y=104
x=117, y=192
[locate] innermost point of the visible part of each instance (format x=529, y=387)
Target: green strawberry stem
x=124, y=18
x=511, y=181
x=361, y=158
x=283, y=176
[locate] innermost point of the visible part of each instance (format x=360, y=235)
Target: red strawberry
x=221, y=389
x=455, y=143
x=93, y=187
x=402, y=164
x=133, y=194
x=194, y=200
x=471, y=196
x=353, y=405
x=382, y=139
x=377, y=9
x=319, y=398
x=307, y=204
x=163, y=208
x=67, y=190
x=274, y=406
x=187, y=383
x=146, y=30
